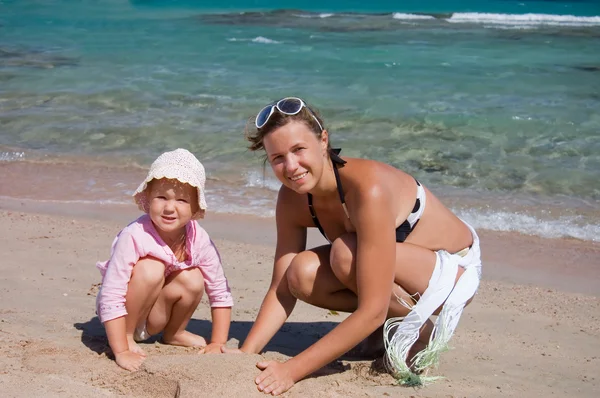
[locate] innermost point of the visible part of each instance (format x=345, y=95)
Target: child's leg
x=147, y=280
x=174, y=308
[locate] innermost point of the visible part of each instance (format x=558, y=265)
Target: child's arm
x=217, y=289
x=115, y=331
x=221, y=319
x=111, y=302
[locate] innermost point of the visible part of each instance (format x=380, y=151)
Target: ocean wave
x=311, y=15
x=11, y=156
x=258, y=39
x=561, y=227
x=264, y=40
x=355, y=21
x=524, y=19
x=255, y=179
x=399, y=15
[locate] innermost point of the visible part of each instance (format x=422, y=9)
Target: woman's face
x=296, y=155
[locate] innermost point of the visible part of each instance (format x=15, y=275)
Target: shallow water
x=494, y=105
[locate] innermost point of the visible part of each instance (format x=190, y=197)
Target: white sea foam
x=11, y=156
x=562, y=227
x=512, y=27
x=265, y=40
x=523, y=19
x=253, y=208
x=322, y=15
x=256, y=179
x=258, y=39
x=400, y=15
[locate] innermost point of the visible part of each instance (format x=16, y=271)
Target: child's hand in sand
x=134, y=347
x=275, y=377
x=129, y=360
x=226, y=350
x=213, y=348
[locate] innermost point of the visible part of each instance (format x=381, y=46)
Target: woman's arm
x=278, y=302
x=375, y=260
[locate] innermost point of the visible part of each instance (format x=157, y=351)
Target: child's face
x=172, y=204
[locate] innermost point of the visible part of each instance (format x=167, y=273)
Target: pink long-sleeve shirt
x=140, y=239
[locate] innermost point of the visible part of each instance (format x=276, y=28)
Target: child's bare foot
x=186, y=339
x=134, y=347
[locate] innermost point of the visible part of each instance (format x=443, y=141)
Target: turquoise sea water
x=495, y=105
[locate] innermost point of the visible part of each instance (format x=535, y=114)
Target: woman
x=390, y=238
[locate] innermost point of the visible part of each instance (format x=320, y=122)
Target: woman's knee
x=149, y=271
x=301, y=274
x=342, y=258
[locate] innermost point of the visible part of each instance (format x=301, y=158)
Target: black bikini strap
x=339, y=184
x=335, y=158
x=314, y=216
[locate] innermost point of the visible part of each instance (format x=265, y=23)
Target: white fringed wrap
x=401, y=333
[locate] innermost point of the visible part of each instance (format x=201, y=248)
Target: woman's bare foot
x=134, y=347
x=414, y=350
x=186, y=339
x=420, y=344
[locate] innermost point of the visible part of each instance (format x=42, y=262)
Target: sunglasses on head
x=288, y=106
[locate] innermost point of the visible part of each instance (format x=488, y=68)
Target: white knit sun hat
x=180, y=165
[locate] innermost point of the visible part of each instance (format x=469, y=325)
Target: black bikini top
x=402, y=231
x=337, y=160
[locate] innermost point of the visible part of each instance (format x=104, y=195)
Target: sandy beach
x=532, y=331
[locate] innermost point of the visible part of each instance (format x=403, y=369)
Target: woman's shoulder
x=367, y=173
x=287, y=195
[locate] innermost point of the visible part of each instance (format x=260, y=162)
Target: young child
x=160, y=265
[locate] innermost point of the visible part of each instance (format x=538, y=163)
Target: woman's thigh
x=413, y=269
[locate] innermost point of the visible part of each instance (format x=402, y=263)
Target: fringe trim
x=438, y=343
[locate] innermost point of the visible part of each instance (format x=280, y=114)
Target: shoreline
x=74, y=180
x=565, y=264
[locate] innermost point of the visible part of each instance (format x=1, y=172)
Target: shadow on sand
x=293, y=337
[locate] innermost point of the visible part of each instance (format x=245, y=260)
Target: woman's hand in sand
x=129, y=360
x=275, y=377
x=213, y=348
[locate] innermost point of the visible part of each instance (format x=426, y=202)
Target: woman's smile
x=298, y=177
